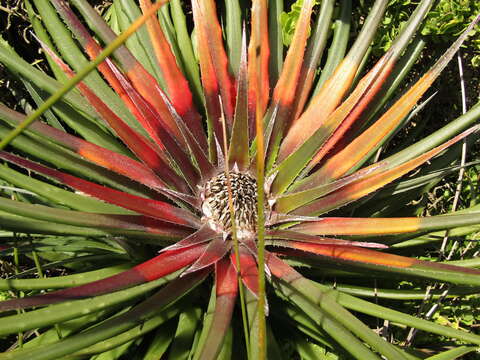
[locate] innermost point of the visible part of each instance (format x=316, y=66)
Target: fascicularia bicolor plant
x=222, y=176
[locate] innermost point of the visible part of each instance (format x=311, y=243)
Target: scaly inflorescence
x=215, y=206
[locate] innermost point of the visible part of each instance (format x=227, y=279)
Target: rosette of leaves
x=201, y=209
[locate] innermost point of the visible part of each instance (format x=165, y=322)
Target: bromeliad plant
x=204, y=157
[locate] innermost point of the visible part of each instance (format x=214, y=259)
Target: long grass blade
x=70, y=310
x=326, y=313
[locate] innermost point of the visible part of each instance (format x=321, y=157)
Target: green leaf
x=454, y=353
x=382, y=312
x=59, y=282
x=112, y=327
x=275, y=9
x=139, y=44
x=181, y=347
x=103, y=347
x=73, y=309
x=187, y=58
x=70, y=52
x=58, y=195
x=161, y=341
x=233, y=30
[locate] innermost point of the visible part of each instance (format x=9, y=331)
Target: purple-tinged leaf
x=115, y=224
x=288, y=238
x=211, y=42
x=216, y=250
x=202, y=235
x=162, y=265
x=143, y=148
x=177, y=86
x=108, y=159
x=141, y=79
x=156, y=128
x=226, y=287
x=376, y=260
x=154, y=208
x=197, y=153
x=248, y=269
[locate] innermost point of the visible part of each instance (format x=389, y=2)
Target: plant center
x=216, y=208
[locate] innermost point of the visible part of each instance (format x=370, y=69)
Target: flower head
x=215, y=203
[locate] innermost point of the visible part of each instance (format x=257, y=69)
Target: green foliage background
x=444, y=22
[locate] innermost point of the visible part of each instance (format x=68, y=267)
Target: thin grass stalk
x=262, y=341
x=236, y=248
x=16, y=264
x=38, y=266
x=463, y=159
